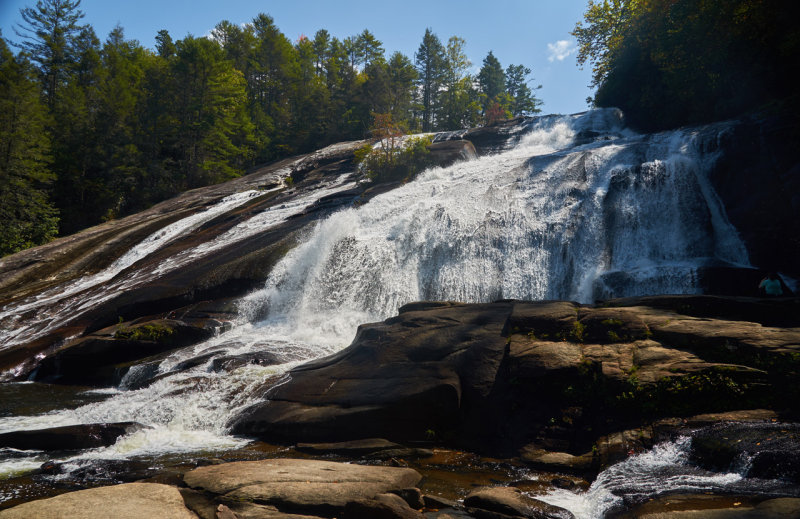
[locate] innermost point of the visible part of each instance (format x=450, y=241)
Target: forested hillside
x=668, y=63
x=91, y=130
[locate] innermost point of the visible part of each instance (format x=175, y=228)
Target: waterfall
x=622, y=215
x=578, y=208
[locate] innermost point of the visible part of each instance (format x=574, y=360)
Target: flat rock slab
x=300, y=486
x=349, y=448
x=368, y=448
x=128, y=501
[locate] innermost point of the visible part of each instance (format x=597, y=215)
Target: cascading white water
x=56, y=305
x=662, y=470
x=546, y=220
x=621, y=214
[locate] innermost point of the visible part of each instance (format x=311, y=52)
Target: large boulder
x=299, y=486
x=445, y=153
x=450, y=353
x=768, y=450
x=468, y=374
x=128, y=501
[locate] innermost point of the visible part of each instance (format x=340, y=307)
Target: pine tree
x=430, y=59
x=458, y=107
x=48, y=35
x=491, y=77
x=523, y=102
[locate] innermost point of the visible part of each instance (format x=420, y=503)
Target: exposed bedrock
x=184, y=302
x=537, y=379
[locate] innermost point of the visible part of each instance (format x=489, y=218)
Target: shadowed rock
x=70, y=437
x=472, y=375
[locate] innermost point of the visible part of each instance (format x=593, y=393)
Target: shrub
x=396, y=161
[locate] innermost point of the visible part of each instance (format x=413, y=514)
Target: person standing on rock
x=771, y=285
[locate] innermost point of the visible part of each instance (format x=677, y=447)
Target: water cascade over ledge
x=579, y=208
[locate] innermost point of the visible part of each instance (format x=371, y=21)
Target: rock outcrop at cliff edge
x=553, y=376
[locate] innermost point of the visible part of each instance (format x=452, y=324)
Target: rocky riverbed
x=485, y=410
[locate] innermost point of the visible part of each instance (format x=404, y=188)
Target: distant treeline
x=91, y=130
x=668, y=63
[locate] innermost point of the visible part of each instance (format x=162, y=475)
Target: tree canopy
x=668, y=63
x=93, y=129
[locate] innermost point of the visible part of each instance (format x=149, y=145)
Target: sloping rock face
x=554, y=376
x=128, y=501
x=176, y=295
x=156, y=313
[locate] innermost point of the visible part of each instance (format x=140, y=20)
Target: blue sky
x=534, y=33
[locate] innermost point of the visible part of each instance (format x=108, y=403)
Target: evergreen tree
x=164, y=44
x=27, y=218
x=430, y=60
x=322, y=45
x=272, y=58
x=400, y=87
x=48, y=34
x=523, y=102
x=310, y=99
x=458, y=107
x=491, y=78
x=213, y=128
x=74, y=118
x=370, y=49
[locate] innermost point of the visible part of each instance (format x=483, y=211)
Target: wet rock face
x=490, y=139
x=445, y=153
x=469, y=375
x=70, y=437
x=769, y=451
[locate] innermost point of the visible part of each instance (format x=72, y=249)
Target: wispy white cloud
x=560, y=50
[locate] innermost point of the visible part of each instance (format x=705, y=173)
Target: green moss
x=611, y=322
x=148, y=332
x=574, y=334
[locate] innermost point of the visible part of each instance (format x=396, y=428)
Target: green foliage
x=403, y=162
x=491, y=77
x=147, y=332
x=27, y=217
x=667, y=63
x=123, y=127
x=392, y=157
x=49, y=31
x=523, y=102
x=430, y=60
